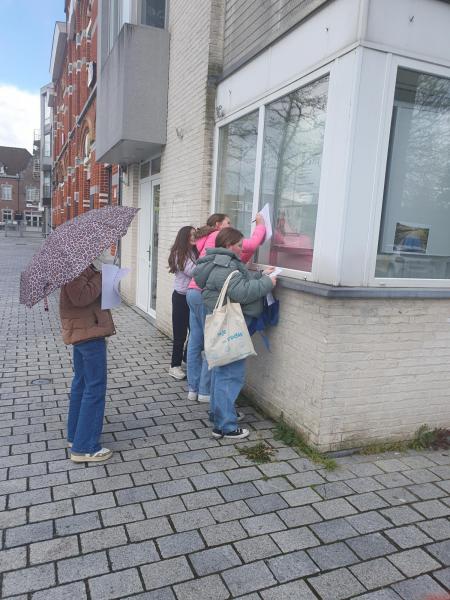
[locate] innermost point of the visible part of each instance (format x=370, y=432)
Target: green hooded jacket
x=246, y=287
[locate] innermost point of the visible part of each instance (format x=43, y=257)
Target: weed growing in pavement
x=424, y=438
x=287, y=435
x=259, y=453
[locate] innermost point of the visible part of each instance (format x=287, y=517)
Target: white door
x=148, y=228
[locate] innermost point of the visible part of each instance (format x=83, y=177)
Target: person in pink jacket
x=199, y=378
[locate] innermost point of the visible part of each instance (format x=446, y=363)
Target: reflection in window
x=292, y=155
x=236, y=170
x=414, y=236
x=154, y=13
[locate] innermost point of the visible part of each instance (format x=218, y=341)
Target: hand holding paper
x=265, y=213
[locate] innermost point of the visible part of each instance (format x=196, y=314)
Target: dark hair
x=182, y=250
x=228, y=237
x=210, y=225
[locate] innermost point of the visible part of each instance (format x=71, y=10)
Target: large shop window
x=414, y=239
x=236, y=170
x=294, y=128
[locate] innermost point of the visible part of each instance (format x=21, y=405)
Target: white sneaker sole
x=202, y=398
x=178, y=377
x=81, y=458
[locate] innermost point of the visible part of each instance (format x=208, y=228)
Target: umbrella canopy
x=71, y=248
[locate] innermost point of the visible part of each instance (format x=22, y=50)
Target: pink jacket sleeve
x=250, y=245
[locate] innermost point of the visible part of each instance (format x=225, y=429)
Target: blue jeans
x=226, y=383
x=87, y=396
x=198, y=376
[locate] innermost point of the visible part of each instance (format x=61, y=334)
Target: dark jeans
x=180, y=326
x=87, y=396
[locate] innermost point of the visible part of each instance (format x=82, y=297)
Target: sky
x=25, y=47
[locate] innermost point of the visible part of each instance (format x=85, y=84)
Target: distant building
x=19, y=187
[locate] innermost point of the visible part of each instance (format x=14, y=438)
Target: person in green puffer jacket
x=248, y=288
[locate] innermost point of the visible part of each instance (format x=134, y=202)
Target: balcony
x=132, y=96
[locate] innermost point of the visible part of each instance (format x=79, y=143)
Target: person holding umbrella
x=86, y=326
x=71, y=259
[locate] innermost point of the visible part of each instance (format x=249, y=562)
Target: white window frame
x=260, y=104
x=427, y=68
x=3, y=195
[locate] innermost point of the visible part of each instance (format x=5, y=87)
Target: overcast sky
x=25, y=47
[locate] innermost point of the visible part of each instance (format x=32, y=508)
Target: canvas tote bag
x=226, y=335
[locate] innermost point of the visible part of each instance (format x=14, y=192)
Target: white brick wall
x=348, y=372
x=130, y=195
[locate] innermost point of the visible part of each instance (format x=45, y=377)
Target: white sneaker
x=177, y=373
x=192, y=396
x=203, y=398
x=102, y=454
x=184, y=366
x=238, y=434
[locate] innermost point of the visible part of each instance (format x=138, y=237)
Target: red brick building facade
x=19, y=186
x=79, y=183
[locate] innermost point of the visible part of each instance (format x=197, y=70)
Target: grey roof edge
x=337, y=292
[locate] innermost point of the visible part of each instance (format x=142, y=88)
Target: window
x=236, y=170
x=47, y=145
x=7, y=215
x=32, y=195
x=113, y=23
x=294, y=128
x=6, y=192
x=153, y=12
x=414, y=240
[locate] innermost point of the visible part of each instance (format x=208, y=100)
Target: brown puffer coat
x=80, y=310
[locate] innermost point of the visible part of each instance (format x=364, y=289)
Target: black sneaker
x=217, y=433
x=238, y=434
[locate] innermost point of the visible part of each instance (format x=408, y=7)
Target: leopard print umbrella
x=71, y=248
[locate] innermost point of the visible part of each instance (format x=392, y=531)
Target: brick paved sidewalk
x=176, y=514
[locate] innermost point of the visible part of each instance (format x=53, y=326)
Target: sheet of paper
x=277, y=271
x=265, y=212
x=270, y=299
x=111, y=277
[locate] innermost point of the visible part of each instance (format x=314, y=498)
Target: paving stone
x=375, y=573
x=295, y=539
x=336, y=585
x=296, y=590
x=438, y=529
x=166, y=506
x=202, y=499
x=332, y=556
x=77, y=523
x=419, y=588
x=305, y=479
x=16, y=558
x=223, y=533
x=365, y=469
x=301, y=496
x=248, y=578
x=421, y=475
x=50, y=550
x=173, y=488
x=148, y=529
x=414, y=562
x=63, y=592
x=432, y=509
x=402, y=515
x=273, y=485
x=333, y=530
x=115, y=585
x=28, y=498
x=243, y=474
x=364, y=484
x=166, y=572
x=443, y=577
x=292, y=566
x=27, y=534
x=368, y=522
x=238, y=491
x=231, y=511
x=441, y=551
x=261, y=524
x=180, y=543
x=28, y=580
x=123, y=514
x=332, y=509
x=204, y=588
x=367, y=501
x=135, y=494
x=391, y=465
x=94, y=502
x=81, y=567
x=426, y=491
x=408, y=536
x=11, y=518
x=103, y=538
x=372, y=545
x=301, y=515
x=386, y=594
x=214, y=560
x=193, y=519
x=132, y=555
x=210, y=480
x=335, y=489
x=266, y=503
x=256, y=548
x=393, y=480
x=72, y=490
x=161, y=594
x=397, y=496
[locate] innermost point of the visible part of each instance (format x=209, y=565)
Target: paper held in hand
x=265, y=213
x=111, y=277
